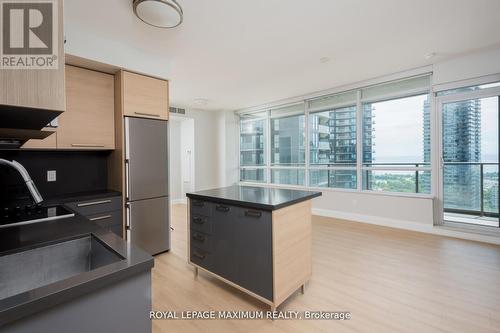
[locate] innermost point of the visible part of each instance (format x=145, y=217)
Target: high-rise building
x=461, y=145
x=252, y=149
x=333, y=141
x=424, y=185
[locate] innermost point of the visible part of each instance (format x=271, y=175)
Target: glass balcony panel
x=288, y=176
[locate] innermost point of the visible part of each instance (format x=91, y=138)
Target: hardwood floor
x=390, y=280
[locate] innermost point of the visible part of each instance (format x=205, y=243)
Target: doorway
x=469, y=153
x=181, y=166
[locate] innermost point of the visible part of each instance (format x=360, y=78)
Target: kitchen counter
x=81, y=196
x=134, y=261
x=255, y=197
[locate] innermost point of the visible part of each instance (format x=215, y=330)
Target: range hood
x=20, y=124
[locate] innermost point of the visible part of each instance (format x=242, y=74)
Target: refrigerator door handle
x=127, y=179
x=128, y=220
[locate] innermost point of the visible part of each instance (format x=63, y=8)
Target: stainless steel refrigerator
x=146, y=173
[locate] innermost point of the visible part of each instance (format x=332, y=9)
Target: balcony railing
x=473, y=183
x=470, y=188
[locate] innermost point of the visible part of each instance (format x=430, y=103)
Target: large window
x=315, y=143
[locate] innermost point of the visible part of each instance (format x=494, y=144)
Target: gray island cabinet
x=253, y=238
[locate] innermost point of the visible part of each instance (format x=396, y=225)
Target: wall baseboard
x=178, y=201
x=409, y=225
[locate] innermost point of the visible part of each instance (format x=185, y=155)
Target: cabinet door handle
x=198, y=220
x=85, y=204
x=199, y=256
x=221, y=208
x=92, y=145
x=199, y=238
x=198, y=203
x=147, y=114
x=100, y=218
x=253, y=213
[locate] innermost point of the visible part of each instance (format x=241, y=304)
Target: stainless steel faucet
x=37, y=198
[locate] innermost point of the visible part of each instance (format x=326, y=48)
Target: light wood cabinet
x=144, y=96
x=88, y=122
x=49, y=142
x=38, y=90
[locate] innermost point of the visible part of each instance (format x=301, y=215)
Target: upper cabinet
x=35, y=93
x=144, y=96
x=88, y=122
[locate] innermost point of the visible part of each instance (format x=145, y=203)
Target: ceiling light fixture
x=158, y=13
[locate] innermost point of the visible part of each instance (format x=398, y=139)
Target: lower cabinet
x=239, y=247
x=254, y=251
x=104, y=211
x=224, y=231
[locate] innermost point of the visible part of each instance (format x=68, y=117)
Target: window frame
x=381, y=167
x=359, y=167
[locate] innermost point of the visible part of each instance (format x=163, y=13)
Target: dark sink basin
x=40, y=266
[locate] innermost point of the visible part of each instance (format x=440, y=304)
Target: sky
x=399, y=130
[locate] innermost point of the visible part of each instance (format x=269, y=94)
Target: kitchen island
x=254, y=238
x=70, y=275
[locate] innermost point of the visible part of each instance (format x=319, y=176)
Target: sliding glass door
x=469, y=166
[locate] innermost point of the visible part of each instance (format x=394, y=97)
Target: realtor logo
x=28, y=34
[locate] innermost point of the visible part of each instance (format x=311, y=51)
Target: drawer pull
x=100, y=218
x=92, y=145
x=147, y=114
x=199, y=256
x=198, y=220
x=198, y=203
x=221, y=208
x=85, y=204
x=199, y=238
x=253, y=213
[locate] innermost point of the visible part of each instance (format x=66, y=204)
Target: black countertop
x=17, y=239
x=81, y=196
x=64, y=198
x=264, y=198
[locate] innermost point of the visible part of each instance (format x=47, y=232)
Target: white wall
x=188, y=153
x=469, y=66
x=181, y=168
x=391, y=210
x=208, y=147
x=174, y=157
x=229, y=148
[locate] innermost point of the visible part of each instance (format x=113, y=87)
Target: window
x=332, y=141
x=315, y=143
x=252, y=147
x=287, y=145
x=396, y=137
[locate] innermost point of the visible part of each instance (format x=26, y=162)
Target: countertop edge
x=253, y=204
x=46, y=302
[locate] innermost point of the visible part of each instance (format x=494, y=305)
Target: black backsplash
x=76, y=172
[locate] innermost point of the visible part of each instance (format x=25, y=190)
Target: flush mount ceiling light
x=158, y=13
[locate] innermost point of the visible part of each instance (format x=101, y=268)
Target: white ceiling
x=237, y=53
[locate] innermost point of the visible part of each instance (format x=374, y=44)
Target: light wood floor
x=390, y=280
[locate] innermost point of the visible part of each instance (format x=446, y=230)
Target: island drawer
x=202, y=258
x=202, y=241
x=201, y=223
x=201, y=207
x=96, y=206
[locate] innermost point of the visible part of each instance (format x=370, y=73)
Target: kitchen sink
x=40, y=266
